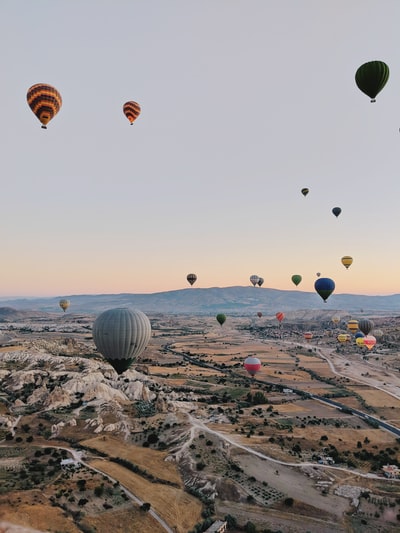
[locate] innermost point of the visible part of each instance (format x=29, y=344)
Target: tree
x=145, y=506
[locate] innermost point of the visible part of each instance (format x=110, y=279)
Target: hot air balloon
x=259, y=314
x=64, y=304
x=308, y=335
x=191, y=278
x=296, y=278
x=252, y=365
x=336, y=211
x=352, y=325
x=280, y=316
x=131, y=111
x=254, y=279
x=365, y=325
x=369, y=341
x=45, y=102
x=324, y=287
x=378, y=333
x=221, y=318
x=360, y=341
x=335, y=319
x=121, y=335
x=260, y=281
x=305, y=191
x=358, y=335
x=347, y=261
x=371, y=78
x=343, y=337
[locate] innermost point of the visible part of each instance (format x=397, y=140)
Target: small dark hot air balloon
x=220, y=318
x=305, y=191
x=336, y=211
x=254, y=279
x=324, y=287
x=131, y=111
x=296, y=278
x=260, y=281
x=365, y=325
x=45, y=102
x=259, y=314
x=191, y=278
x=372, y=77
x=252, y=365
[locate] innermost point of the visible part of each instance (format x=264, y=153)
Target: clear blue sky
x=244, y=102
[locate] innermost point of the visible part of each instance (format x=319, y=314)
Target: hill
x=239, y=301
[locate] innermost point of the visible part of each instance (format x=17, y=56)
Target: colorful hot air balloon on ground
x=221, y=318
x=352, y=325
x=121, y=335
x=365, y=325
x=305, y=191
x=336, y=211
x=64, y=304
x=252, y=365
x=260, y=281
x=346, y=261
x=372, y=77
x=191, y=278
x=45, y=102
x=324, y=287
x=296, y=278
x=280, y=316
x=254, y=279
x=369, y=341
x=131, y=111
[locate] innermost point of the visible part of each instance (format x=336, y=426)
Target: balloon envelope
x=346, y=261
x=191, y=278
x=221, y=318
x=296, y=278
x=308, y=335
x=343, y=337
x=352, y=325
x=260, y=281
x=372, y=77
x=254, y=279
x=131, y=111
x=365, y=325
x=259, y=314
x=324, y=287
x=252, y=365
x=305, y=191
x=121, y=335
x=64, y=304
x=369, y=341
x=280, y=316
x=336, y=211
x=45, y=102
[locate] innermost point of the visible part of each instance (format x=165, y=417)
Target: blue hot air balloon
x=324, y=287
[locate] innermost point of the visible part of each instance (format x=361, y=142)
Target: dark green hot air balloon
x=371, y=78
x=221, y=318
x=324, y=287
x=296, y=278
x=121, y=335
x=305, y=191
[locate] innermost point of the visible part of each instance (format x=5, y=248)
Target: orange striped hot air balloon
x=280, y=316
x=131, y=111
x=45, y=102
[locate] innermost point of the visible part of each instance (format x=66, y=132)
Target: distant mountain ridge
x=240, y=301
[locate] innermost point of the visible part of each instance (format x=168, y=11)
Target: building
x=219, y=526
x=391, y=471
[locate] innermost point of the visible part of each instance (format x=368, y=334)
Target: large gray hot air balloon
x=121, y=335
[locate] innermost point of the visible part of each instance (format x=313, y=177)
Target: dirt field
x=176, y=507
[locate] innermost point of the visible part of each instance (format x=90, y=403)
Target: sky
x=244, y=103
